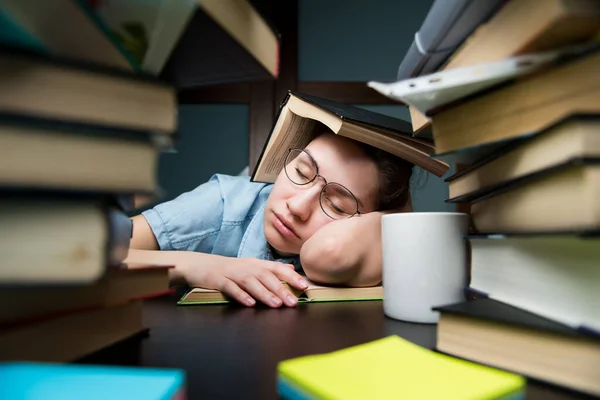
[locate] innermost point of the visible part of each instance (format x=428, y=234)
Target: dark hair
x=394, y=178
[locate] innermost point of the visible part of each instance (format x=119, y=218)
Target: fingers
x=257, y=289
x=288, y=275
x=262, y=280
x=275, y=286
x=232, y=290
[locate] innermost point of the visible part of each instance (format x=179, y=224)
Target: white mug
x=424, y=263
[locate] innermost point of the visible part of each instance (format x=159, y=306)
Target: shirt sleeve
x=189, y=222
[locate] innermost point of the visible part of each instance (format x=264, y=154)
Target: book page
x=297, y=134
x=291, y=131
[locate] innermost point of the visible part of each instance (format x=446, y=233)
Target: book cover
x=119, y=284
x=80, y=94
x=224, y=41
x=497, y=311
x=71, y=335
x=357, y=114
x=513, y=110
x=501, y=187
x=302, y=117
x=479, y=155
x=499, y=335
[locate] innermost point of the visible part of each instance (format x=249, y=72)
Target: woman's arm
x=242, y=279
x=142, y=238
x=346, y=251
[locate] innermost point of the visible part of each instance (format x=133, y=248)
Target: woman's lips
x=284, y=227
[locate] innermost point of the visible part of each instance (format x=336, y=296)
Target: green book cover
x=314, y=294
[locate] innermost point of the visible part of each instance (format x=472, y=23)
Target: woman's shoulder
x=233, y=184
x=240, y=195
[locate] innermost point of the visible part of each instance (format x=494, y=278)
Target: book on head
x=314, y=293
x=302, y=117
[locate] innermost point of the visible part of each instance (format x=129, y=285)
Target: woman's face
x=293, y=212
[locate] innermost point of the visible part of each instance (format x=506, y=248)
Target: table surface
x=231, y=352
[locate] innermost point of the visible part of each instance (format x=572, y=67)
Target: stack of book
x=87, y=104
x=79, y=139
x=516, y=28
x=531, y=140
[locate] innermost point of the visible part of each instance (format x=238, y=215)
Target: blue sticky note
x=48, y=381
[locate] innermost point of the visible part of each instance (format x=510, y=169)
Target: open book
x=302, y=117
x=314, y=293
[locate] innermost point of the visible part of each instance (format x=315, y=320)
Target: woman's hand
x=247, y=279
x=243, y=279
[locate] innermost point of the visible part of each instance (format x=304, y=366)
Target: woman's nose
x=304, y=201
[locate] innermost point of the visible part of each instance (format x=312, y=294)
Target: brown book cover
x=28, y=303
x=568, y=142
x=76, y=93
x=527, y=105
x=523, y=26
x=563, y=198
x=71, y=336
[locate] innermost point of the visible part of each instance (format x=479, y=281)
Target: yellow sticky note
x=393, y=368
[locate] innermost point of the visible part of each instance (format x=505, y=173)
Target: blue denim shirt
x=223, y=216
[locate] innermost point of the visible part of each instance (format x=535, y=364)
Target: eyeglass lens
x=335, y=200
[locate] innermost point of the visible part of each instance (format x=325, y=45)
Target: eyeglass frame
x=317, y=175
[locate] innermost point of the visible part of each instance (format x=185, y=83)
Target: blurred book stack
x=88, y=101
x=518, y=102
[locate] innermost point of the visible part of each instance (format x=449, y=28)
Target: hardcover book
x=303, y=117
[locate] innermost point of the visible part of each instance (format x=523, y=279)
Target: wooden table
x=232, y=352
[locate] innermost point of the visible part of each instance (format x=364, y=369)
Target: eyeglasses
x=336, y=201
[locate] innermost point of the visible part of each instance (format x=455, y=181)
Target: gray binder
x=446, y=26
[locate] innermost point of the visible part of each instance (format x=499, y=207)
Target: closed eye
x=300, y=173
x=335, y=208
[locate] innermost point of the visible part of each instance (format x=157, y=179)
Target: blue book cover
x=13, y=34
x=49, y=381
